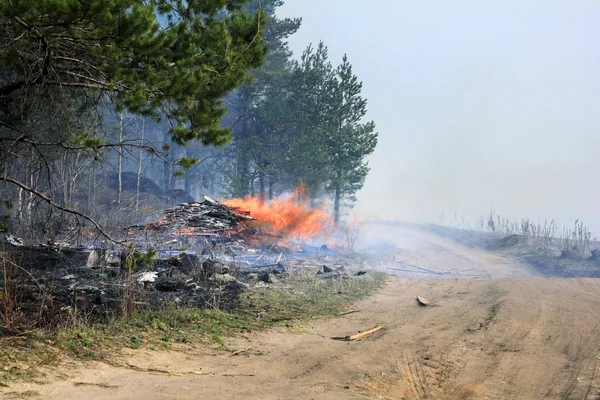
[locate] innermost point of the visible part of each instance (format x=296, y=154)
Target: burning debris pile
x=243, y=225
x=252, y=233
x=197, y=218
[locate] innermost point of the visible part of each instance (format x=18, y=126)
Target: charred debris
x=199, y=254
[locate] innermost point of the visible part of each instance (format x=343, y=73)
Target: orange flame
x=289, y=217
x=184, y=231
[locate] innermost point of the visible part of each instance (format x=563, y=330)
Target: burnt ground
x=496, y=329
x=47, y=287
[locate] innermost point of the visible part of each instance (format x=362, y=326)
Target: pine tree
x=307, y=129
x=309, y=105
x=349, y=140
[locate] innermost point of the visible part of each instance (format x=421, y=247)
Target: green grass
x=307, y=297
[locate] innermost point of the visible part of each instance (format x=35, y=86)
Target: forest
x=111, y=110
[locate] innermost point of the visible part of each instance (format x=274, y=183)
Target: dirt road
x=416, y=253
x=501, y=338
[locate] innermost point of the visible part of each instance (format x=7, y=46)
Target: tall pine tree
x=349, y=140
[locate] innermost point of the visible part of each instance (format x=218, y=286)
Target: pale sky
x=479, y=104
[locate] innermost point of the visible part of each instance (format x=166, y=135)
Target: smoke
x=479, y=105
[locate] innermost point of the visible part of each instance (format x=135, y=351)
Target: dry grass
x=551, y=249
x=547, y=234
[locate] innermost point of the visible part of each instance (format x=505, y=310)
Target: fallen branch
x=431, y=271
x=50, y=358
x=420, y=271
x=336, y=315
x=7, y=354
x=101, y=384
x=361, y=335
x=347, y=312
x=235, y=353
x=157, y=370
x=425, y=271
x=177, y=373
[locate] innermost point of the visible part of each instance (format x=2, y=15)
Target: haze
x=479, y=105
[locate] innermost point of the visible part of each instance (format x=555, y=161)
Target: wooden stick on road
x=235, y=353
x=361, y=335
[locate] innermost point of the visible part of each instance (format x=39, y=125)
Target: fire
x=289, y=217
x=184, y=231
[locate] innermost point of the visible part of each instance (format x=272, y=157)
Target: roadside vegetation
x=551, y=249
x=298, y=298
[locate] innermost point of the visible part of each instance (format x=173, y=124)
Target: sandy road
x=500, y=338
x=405, y=249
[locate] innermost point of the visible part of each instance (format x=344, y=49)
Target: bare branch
x=78, y=84
x=87, y=78
x=59, y=207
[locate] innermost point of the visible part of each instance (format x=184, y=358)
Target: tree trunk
x=73, y=181
x=62, y=176
x=92, y=190
x=262, y=186
x=139, y=175
x=188, y=182
x=246, y=184
x=189, y=178
x=30, y=200
x=120, y=168
x=242, y=172
x=166, y=166
x=18, y=213
x=270, y=189
x=336, y=206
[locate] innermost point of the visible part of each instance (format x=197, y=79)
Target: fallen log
x=100, y=384
x=338, y=315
